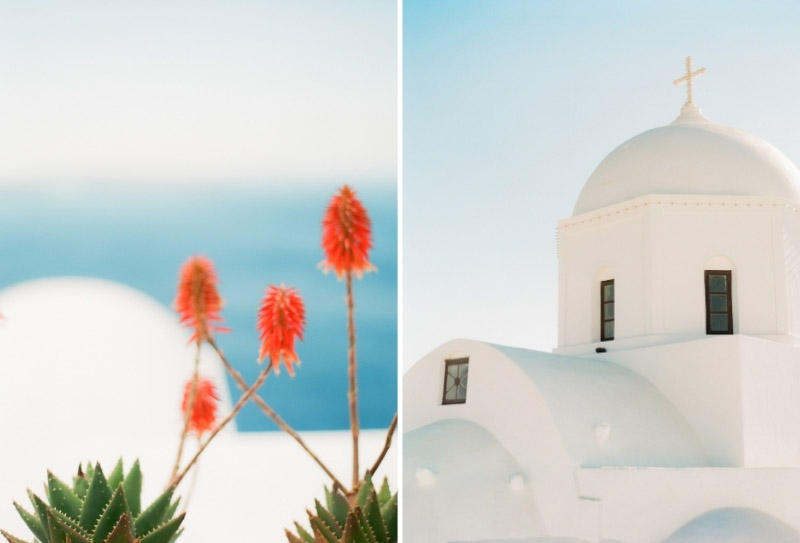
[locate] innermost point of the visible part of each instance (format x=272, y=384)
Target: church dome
x=692, y=155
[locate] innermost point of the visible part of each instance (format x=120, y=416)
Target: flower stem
x=187, y=416
x=352, y=394
x=236, y=408
x=386, y=445
x=272, y=414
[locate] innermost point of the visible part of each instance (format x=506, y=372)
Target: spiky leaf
x=122, y=532
x=389, y=514
x=325, y=516
x=293, y=538
x=364, y=491
x=172, y=508
x=133, y=489
x=154, y=515
x=164, y=533
x=321, y=531
x=97, y=497
x=11, y=538
x=304, y=535
x=372, y=511
x=369, y=532
x=80, y=483
x=60, y=532
x=352, y=530
x=70, y=523
x=62, y=497
x=115, y=479
x=114, y=511
x=385, y=494
x=41, y=512
x=32, y=521
x=337, y=505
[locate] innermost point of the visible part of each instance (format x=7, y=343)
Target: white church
x=670, y=410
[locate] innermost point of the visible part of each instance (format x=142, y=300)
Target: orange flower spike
x=346, y=235
x=281, y=319
x=198, y=301
x=204, y=413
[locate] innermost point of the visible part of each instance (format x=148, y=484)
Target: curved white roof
x=608, y=415
x=690, y=156
x=735, y=525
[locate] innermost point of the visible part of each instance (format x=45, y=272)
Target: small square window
x=456, y=373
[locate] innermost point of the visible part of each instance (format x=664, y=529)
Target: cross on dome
x=688, y=79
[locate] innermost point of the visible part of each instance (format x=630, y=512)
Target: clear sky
x=510, y=105
x=197, y=90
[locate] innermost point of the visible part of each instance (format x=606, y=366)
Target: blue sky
x=197, y=90
x=508, y=106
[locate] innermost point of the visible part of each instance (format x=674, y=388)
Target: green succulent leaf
x=154, y=515
x=80, y=483
x=133, y=489
x=304, y=535
x=364, y=490
x=32, y=521
x=352, y=530
x=122, y=532
x=115, y=479
x=164, y=533
x=321, y=531
x=12, y=539
x=389, y=514
x=69, y=523
x=366, y=529
x=293, y=538
x=97, y=497
x=325, y=516
x=385, y=494
x=337, y=505
x=172, y=508
x=372, y=511
x=60, y=532
x=62, y=497
x=41, y=512
x=112, y=516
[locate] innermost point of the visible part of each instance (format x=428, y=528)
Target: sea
x=256, y=236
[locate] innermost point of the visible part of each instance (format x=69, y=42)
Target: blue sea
x=255, y=237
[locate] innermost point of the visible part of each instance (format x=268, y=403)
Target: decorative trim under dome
x=690, y=156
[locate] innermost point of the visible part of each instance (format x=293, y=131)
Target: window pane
x=719, y=302
x=719, y=323
x=462, y=370
x=717, y=283
x=608, y=311
x=451, y=393
x=608, y=330
x=608, y=292
x=461, y=393
x=464, y=380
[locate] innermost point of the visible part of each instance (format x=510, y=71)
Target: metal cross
x=688, y=79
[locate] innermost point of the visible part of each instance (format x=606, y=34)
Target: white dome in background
x=692, y=155
x=84, y=357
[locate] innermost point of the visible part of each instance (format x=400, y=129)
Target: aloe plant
x=96, y=509
x=372, y=517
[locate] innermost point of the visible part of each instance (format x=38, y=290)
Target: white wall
x=657, y=247
x=646, y=505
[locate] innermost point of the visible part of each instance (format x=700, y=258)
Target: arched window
x=719, y=303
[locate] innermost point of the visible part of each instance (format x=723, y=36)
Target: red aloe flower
x=204, y=411
x=281, y=318
x=198, y=301
x=346, y=235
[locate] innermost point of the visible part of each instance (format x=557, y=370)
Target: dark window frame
x=447, y=364
x=603, y=303
x=728, y=311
